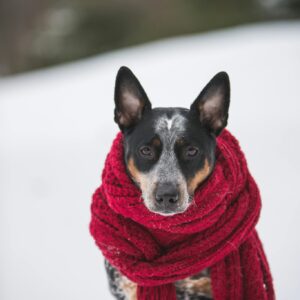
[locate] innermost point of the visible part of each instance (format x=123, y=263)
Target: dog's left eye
x=147, y=152
x=191, y=151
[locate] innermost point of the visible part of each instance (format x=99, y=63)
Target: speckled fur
x=197, y=287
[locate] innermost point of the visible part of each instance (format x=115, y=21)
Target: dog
x=168, y=153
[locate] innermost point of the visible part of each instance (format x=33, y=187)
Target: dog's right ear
x=212, y=105
x=130, y=99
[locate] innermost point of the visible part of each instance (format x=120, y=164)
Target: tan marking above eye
x=180, y=141
x=199, y=177
x=156, y=142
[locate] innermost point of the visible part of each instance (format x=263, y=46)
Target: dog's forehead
x=169, y=126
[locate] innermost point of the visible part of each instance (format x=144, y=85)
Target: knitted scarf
x=216, y=231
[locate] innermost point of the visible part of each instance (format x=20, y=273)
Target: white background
x=56, y=127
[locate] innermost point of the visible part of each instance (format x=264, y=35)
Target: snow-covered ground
x=56, y=127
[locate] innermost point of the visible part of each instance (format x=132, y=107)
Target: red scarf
x=217, y=231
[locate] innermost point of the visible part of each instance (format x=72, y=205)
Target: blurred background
x=36, y=34
x=58, y=62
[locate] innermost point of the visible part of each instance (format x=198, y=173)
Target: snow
x=56, y=126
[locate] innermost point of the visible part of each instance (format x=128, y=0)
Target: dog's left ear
x=130, y=99
x=212, y=105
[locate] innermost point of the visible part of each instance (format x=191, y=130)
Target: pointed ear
x=131, y=101
x=212, y=105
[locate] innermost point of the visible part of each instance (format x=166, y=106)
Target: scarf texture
x=217, y=231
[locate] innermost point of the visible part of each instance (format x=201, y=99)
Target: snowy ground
x=56, y=127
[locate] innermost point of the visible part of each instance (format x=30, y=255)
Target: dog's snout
x=166, y=195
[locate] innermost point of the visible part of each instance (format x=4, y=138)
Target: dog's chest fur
x=197, y=287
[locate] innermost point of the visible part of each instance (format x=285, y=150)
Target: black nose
x=166, y=195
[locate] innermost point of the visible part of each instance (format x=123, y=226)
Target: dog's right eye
x=147, y=152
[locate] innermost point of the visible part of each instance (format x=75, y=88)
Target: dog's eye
x=147, y=152
x=191, y=151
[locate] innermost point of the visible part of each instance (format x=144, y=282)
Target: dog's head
x=169, y=152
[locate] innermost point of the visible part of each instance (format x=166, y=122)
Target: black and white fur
x=168, y=153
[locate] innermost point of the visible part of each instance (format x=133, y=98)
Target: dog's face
x=169, y=152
